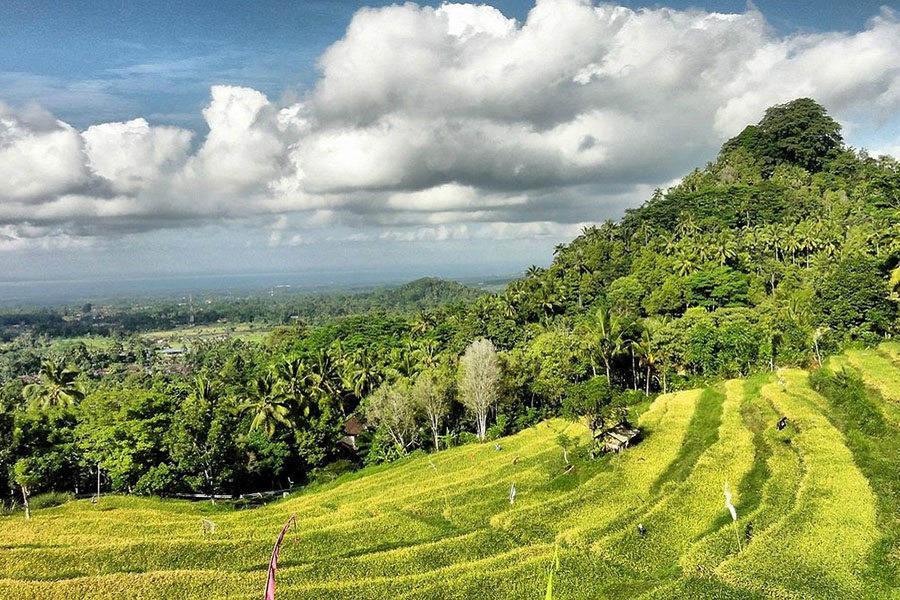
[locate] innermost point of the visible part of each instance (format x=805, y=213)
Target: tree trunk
x=647, y=383
x=633, y=372
x=25, y=499
x=434, y=431
x=481, y=425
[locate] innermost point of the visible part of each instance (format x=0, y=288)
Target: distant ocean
x=72, y=291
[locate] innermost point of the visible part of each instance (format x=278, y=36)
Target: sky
x=161, y=138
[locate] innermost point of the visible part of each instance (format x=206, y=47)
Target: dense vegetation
x=815, y=506
x=781, y=252
x=124, y=317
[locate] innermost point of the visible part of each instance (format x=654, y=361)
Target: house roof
x=621, y=433
x=353, y=426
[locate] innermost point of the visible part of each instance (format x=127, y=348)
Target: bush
x=49, y=500
x=498, y=429
x=332, y=471
x=8, y=508
x=467, y=437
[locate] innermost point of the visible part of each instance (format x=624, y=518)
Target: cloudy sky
x=170, y=137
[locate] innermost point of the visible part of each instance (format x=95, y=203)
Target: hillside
x=816, y=505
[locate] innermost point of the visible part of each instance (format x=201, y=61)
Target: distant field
x=816, y=518
x=244, y=331
x=91, y=342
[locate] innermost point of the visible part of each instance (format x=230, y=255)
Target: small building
x=173, y=351
x=352, y=428
x=619, y=437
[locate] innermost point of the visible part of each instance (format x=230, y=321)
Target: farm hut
x=352, y=428
x=620, y=437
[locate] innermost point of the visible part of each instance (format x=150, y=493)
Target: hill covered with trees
x=781, y=252
x=534, y=516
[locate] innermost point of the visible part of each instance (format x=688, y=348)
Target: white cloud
x=40, y=157
x=134, y=156
x=453, y=123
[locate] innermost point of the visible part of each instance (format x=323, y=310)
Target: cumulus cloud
x=452, y=123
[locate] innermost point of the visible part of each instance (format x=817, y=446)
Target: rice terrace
x=515, y=299
x=816, y=506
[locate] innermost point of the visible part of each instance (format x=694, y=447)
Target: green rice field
x=817, y=506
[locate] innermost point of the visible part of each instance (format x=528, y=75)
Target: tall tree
x=392, y=410
x=293, y=381
x=431, y=397
x=479, y=382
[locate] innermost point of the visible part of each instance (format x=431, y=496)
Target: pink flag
x=273, y=563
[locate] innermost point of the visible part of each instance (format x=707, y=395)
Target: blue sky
x=159, y=58
x=357, y=183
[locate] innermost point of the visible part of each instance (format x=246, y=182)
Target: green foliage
x=779, y=253
x=816, y=505
x=853, y=298
x=798, y=133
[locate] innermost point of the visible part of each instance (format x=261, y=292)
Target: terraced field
x=817, y=507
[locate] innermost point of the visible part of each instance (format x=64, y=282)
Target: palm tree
x=267, y=406
x=427, y=354
x=57, y=386
x=604, y=340
x=362, y=374
x=646, y=348
x=325, y=379
x=424, y=323
x=687, y=261
x=293, y=381
x=725, y=248
x=204, y=389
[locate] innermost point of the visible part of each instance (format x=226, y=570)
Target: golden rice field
x=817, y=514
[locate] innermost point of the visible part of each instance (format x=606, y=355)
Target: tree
x=266, y=405
x=853, y=298
x=592, y=402
x=202, y=438
x=26, y=478
x=431, y=397
x=362, y=374
x=125, y=431
x=392, y=410
x=57, y=387
x=799, y=132
x=326, y=380
x=479, y=382
x=603, y=339
x=552, y=358
x=293, y=381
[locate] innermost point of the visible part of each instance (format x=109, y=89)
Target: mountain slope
x=816, y=517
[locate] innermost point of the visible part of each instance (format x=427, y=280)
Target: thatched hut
x=352, y=428
x=619, y=437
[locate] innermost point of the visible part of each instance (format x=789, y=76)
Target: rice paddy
x=816, y=507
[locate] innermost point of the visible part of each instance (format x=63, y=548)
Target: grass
x=248, y=332
x=817, y=505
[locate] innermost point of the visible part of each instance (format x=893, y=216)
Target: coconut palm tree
x=325, y=380
x=426, y=353
x=293, y=379
x=268, y=406
x=425, y=322
x=604, y=340
x=57, y=386
x=362, y=374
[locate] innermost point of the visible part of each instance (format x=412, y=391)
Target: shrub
x=49, y=500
